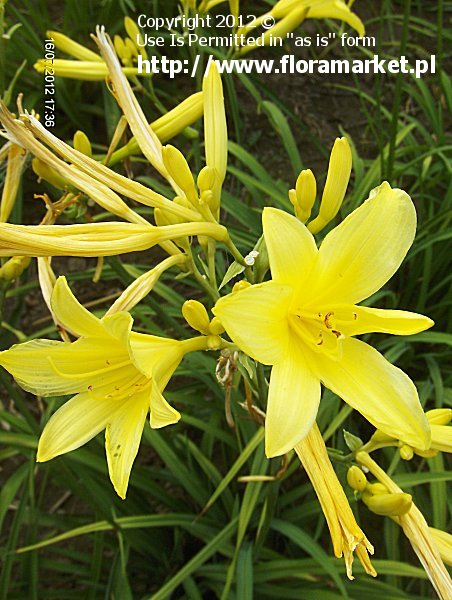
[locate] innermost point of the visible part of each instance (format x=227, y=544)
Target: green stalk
x=397, y=95
x=2, y=48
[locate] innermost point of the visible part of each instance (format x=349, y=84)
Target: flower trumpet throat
x=304, y=320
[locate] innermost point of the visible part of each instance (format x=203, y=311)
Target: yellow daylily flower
x=118, y=376
x=302, y=322
x=415, y=528
x=346, y=535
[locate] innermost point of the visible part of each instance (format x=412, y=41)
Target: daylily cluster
x=302, y=322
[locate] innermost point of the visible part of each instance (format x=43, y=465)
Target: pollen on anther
x=326, y=320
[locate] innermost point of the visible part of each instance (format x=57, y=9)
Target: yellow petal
x=122, y=440
x=381, y=392
x=359, y=256
x=49, y=368
x=293, y=402
x=256, y=320
x=162, y=414
x=441, y=438
x=74, y=424
x=396, y=322
x=70, y=314
x=291, y=248
x=156, y=357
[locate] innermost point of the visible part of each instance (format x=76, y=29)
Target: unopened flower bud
x=377, y=488
x=240, y=285
x=406, y=452
x=82, y=143
x=216, y=328
x=196, y=316
x=214, y=342
x=206, y=178
x=43, y=171
x=303, y=197
x=14, y=268
x=131, y=47
x=339, y=170
x=121, y=49
x=178, y=168
x=356, y=479
x=439, y=416
x=390, y=505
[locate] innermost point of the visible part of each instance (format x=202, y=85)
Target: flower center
x=322, y=330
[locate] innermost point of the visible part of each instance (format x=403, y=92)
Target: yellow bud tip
x=196, y=316
x=82, y=143
x=356, y=479
x=216, y=328
x=213, y=342
x=390, y=505
x=406, y=452
x=439, y=416
x=240, y=285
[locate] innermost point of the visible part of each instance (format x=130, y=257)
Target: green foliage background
x=189, y=528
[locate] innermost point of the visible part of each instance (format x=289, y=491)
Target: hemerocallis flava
x=303, y=321
x=118, y=377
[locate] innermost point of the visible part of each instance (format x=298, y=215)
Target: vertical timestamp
x=49, y=83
